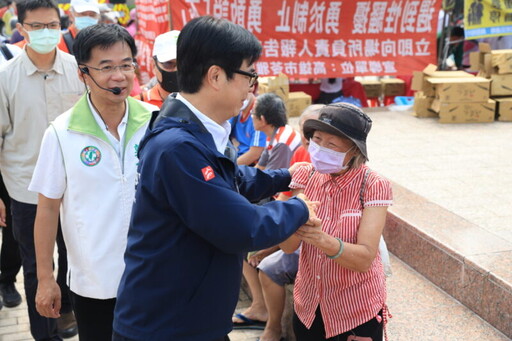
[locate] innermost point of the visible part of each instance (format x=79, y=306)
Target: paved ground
x=466, y=168
x=420, y=310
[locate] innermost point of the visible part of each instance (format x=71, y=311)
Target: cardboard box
x=373, y=89
x=504, y=108
x=393, y=87
x=467, y=112
x=501, y=85
x=482, y=61
x=474, y=60
x=474, y=89
x=422, y=104
x=420, y=78
x=502, y=60
x=297, y=102
x=278, y=85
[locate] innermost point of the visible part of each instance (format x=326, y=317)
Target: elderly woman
x=340, y=288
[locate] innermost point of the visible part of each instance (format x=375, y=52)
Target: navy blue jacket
x=189, y=231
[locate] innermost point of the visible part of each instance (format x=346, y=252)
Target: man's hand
x=48, y=298
x=296, y=166
x=3, y=214
x=312, y=206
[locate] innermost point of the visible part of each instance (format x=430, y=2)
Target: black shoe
x=66, y=325
x=10, y=295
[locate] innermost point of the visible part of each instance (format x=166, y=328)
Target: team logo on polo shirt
x=90, y=156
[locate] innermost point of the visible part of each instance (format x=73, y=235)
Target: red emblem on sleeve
x=208, y=173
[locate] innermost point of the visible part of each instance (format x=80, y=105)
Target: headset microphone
x=116, y=90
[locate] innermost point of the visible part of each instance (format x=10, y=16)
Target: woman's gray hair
x=357, y=161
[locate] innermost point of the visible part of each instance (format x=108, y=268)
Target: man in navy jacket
x=193, y=217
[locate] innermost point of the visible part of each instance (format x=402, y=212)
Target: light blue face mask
x=44, y=41
x=83, y=22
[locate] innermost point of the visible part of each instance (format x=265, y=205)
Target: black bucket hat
x=344, y=120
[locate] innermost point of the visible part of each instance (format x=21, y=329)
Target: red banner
x=311, y=38
x=153, y=20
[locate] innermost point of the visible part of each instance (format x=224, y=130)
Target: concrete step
x=421, y=311
x=466, y=261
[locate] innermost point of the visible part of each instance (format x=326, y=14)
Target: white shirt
x=220, y=133
x=29, y=100
x=121, y=128
x=331, y=88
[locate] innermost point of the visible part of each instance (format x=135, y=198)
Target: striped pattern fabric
x=286, y=135
x=347, y=298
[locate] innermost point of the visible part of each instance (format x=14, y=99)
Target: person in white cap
x=164, y=59
x=83, y=13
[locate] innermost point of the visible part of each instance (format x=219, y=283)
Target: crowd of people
x=161, y=197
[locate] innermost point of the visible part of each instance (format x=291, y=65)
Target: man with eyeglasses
x=35, y=87
x=193, y=219
x=164, y=59
x=86, y=170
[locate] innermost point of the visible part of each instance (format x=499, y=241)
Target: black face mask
x=169, y=79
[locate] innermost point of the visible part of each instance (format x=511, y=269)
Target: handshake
x=313, y=221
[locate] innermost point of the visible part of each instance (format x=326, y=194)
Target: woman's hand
x=255, y=258
x=312, y=233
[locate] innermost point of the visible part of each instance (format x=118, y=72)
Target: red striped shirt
x=287, y=135
x=347, y=298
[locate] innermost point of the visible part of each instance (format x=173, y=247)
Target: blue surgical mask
x=83, y=22
x=44, y=41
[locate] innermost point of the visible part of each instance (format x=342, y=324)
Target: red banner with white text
x=311, y=38
x=153, y=20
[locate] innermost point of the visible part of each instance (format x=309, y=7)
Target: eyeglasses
x=253, y=76
x=54, y=25
x=127, y=68
x=169, y=65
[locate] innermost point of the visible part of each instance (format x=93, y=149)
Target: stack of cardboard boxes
x=384, y=88
x=392, y=87
x=372, y=88
x=496, y=65
x=453, y=96
x=295, y=102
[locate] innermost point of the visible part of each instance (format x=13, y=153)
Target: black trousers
x=10, y=260
x=94, y=317
x=23, y=217
x=371, y=329
x=117, y=337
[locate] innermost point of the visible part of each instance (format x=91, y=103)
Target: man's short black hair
x=457, y=31
x=207, y=41
x=101, y=35
x=272, y=107
x=31, y=5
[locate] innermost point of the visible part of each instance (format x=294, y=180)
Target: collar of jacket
x=174, y=113
x=82, y=119
x=176, y=109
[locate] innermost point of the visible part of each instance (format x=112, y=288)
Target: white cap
x=165, y=46
x=80, y=6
